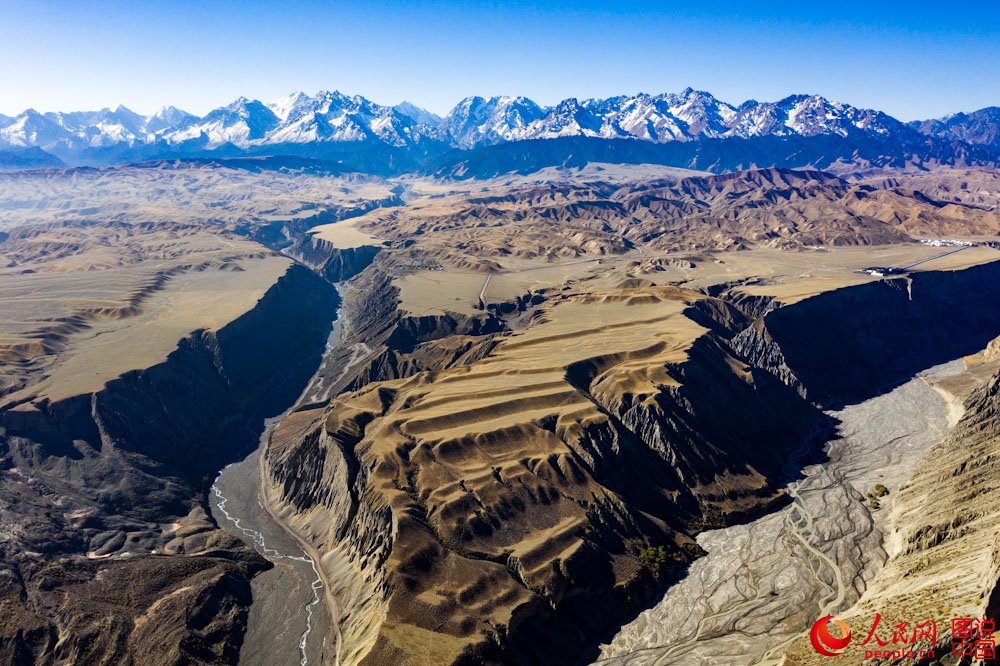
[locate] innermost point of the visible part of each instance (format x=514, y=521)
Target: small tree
x=880, y=490
x=653, y=557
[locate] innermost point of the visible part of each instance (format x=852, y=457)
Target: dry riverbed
x=763, y=584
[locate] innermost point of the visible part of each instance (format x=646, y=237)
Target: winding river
x=286, y=609
x=760, y=586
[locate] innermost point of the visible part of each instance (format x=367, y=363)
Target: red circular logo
x=826, y=644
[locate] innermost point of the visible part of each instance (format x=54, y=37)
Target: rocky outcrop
x=512, y=506
x=380, y=342
x=322, y=492
x=885, y=331
x=505, y=538
x=333, y=263
x=110, y=488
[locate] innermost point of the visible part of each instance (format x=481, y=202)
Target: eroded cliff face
x=496, y=509
x=883, y=332
x=382, y=342
x=107, y=552
x=503, y=509
x=333, y=263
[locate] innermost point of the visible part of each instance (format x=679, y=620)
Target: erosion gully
x=760, y=586
x=288, y=621
x=763, y=584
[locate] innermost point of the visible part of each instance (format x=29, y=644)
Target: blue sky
x=912, y=60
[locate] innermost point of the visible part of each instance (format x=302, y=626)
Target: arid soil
x=530, y=380
x=135, y=357
x=550, y=401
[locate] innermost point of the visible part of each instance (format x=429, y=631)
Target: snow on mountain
x=977, y=127
x=476, y=121
x=285, y=106
x=703, y=114
x=168, y=117
x=416, y=114
x=809, y=115
x=31, y=128
x=332, y=117
x=569, y=118
x=335, y=117
x=813, y=115
x=685, y=116
x=239, y=123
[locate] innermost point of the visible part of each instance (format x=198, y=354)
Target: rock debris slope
x=500, y=507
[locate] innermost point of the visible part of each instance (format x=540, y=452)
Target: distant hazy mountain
x=352, y=129
x=978, y=127
x=27, y=158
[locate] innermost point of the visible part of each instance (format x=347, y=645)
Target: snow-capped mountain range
x=686, y=116
x=251, y=126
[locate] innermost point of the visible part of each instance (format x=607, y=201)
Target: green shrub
x=653, y=557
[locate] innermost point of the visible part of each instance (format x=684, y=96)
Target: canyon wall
x=520, y=542
x=333, y=263
x=107, y=552
x=881, y=332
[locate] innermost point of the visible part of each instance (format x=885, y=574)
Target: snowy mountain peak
x=416, y=114
x=333, y=117
x=478, y=121
x=284, y=106
x=170, y=114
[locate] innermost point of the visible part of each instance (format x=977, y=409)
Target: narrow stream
x=763, y=584
x=281, y=594
x=286, y=604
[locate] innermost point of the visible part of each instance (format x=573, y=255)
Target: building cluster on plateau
x=941, y=242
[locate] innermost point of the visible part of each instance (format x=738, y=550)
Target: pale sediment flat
x=943, y=559
x=763, y=584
